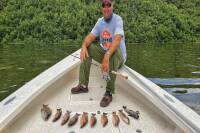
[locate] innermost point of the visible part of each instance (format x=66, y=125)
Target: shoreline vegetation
x=69, y=21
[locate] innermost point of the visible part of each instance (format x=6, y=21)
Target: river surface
x=175, y=67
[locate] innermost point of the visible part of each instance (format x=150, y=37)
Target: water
x=171, y=66
x=165, y=60
x=20, y=63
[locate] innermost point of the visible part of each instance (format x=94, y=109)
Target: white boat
x=160, y=112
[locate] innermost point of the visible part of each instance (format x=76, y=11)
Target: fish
x=93, y=120
x=115, y=119
x=104, y=119
x=73, y=120
x=84, y=119
x=57, y=115
x=46, y=112
x=124, y=117
x=66, y=117
x=131, y=113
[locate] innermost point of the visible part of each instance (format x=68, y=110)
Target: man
x=111, y=52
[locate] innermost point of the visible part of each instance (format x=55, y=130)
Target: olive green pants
x=97, y=53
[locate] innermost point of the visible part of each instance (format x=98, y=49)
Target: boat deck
x=58, y=96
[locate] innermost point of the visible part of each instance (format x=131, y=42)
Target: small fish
x=66, y=117
x=73, y=120
x=115, y=119
x=57, y=115
x=134, y=114
x=104, y=119
x=84, y=119
x=93, y=120
x=124, y=117
x=45, y=112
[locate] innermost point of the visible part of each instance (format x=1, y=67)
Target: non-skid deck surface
x=59, y=96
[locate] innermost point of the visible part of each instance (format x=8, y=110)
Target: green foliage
x=159, y=21
x=62, y=21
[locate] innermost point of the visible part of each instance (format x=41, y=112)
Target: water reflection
x=20, y=63
x=164, y=61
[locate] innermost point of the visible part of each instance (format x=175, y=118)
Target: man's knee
x=116, y=60
x=91, y=48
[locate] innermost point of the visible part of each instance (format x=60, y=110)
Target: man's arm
x=109, y=53
x=87, y=41
x=119, y=34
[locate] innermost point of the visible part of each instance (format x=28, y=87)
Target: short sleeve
x=119, y=27
x=95, y=31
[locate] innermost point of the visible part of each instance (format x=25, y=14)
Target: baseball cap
x=106, y=1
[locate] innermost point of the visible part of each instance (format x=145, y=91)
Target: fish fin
x=120, y=110
x=68, y=111
x=85, y=113
x=58, y=109
x=78, y=114
x=114, y=112
x=124, y=107
x=93, y=114
x=105, y=113
x=45, y=105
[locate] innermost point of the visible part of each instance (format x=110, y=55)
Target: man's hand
x=84, y=53
x=105, y=63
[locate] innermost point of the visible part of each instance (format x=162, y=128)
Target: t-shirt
x=106, y=32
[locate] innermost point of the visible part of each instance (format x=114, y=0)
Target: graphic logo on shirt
x=106, y=39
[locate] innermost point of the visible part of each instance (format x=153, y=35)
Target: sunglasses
x=106, y=5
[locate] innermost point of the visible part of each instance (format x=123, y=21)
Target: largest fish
x=134, y=114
